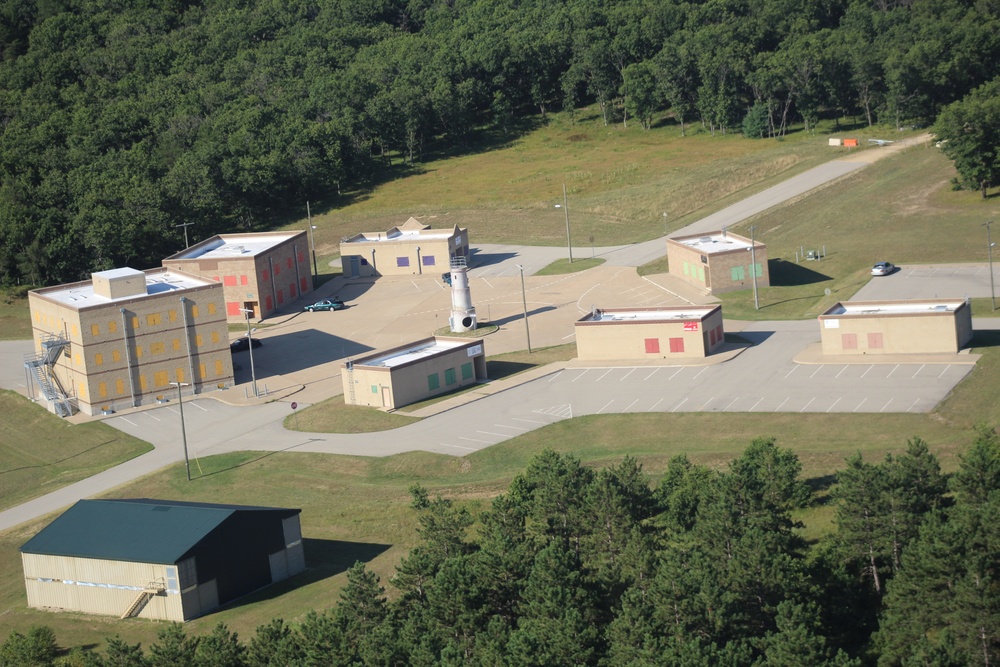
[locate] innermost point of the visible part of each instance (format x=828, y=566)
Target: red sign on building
x=690, y=326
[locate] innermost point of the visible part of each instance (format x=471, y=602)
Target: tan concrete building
x=896, y=327
x=119, y=339
x=627, y=334
x=413, y=372
x=158, y=559
x=412, y=248
x=718, y=262
x=259, y=272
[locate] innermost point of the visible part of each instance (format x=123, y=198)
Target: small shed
x=412, y=248
x=718, y=262
x=158, y=559
x=896, y=327
x=413, y=372
x=671, y=332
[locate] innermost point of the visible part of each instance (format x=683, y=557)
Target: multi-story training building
x=410, y=249
x=718, y=262
x=896, y=327
x=158, y=559
x=633, y=334
x=259, y=272
x=413, y=372
x=119, y=339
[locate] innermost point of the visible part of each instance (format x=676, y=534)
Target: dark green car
x=327, y=304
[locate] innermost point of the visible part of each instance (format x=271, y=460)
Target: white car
x=883, y=269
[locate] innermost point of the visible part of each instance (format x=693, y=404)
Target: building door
x=253, y=307
x=353, y=268
x=386, y=397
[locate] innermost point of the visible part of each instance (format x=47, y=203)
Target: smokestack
x=463, y=313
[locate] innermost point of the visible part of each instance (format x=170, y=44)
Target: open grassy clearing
x=40, y=452
x=15, y=318
x=620, y=182
x=561, y=266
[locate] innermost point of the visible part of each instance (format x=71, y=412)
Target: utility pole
x=524, y=302
x=565, y=207
x=989, y=250
x=312, y=243
x=753, y=266
x=180, y=407
x=185, y=225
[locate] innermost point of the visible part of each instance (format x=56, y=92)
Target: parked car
x=241, y=344
x=446, y=278
x=327, y=304
x=883, y=269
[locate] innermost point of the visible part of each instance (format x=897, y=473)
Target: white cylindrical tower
x=463, y=313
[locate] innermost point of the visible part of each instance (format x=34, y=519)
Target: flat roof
x=395, y=235
x=668, y=314
x=404, y=355
x=894, y=307
x=226, y=246
x=158, y=281
x=713, y=242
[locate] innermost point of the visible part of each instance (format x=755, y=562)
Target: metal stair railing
x=40, y=366
x=142, y=599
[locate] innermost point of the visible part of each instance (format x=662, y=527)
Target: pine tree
x=173, y=648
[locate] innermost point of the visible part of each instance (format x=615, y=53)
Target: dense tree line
x=576, y=566
x=121, y=119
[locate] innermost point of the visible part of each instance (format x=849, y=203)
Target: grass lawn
x=561, y=266
x=15, y=316
x=40, y=452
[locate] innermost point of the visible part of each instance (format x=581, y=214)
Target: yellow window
x=194, y=311
x=161, y=379
x=218, y=368
x=176, y=343
x=157, y=348
x=73, y=329
x=138, y=351
x=98, y=358
x=135, y=322
x=112, y=326
x=179, y=374
x=197, y=340
x=153, y=319
x=78, y=359
x=142, y=383
x=172, y=315
x=211, y=309
x=102, y=389
x=215, y=336
x=116, y=355
x=202, y=372
x=120, y=387
x=95, y=330
x=83, y=390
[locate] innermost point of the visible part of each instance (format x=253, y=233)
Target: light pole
x=180, y=406
x=253, y=375
x=664, y=223
x=185, y=225
x=753, y=266
x=565, y=207
x=312, y=243
x=524, y=302
x=989, y=250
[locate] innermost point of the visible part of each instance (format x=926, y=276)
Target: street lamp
x=524, y=302
x=753, y=266
x=989, y=250
x=180, y=406
x=312, y=243
x=253, y=375
x=565, y=207
x=664, y=223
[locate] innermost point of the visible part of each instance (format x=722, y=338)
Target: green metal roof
x=142, y=530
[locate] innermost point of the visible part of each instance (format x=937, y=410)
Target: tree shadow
x=819, y=486
x=788, y=274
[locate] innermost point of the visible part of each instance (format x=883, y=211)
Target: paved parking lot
x=954, y=281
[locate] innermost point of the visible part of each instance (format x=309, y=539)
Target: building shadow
x=481, y=259
x=324, y=559
x=752, y=338
x=788, y=274
x=985, y=338
x=295, y=351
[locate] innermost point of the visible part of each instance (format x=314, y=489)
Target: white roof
x=397, y=235
x=158, y=281
x=894, y=308
x=421, y=351
x=235, y=245
x=715, y=242
x=656, y=315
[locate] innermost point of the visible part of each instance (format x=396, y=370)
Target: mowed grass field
x=620, y=182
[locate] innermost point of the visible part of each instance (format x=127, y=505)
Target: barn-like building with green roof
x=159, y=559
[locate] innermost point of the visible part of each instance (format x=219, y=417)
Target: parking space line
x=516, y=428
x=605, y=373
x=499, y=435
x=150, y=415
x=912, y=404
x=834, y=404
x=655, y=404
x=886, y=405
x=652, y=374
x=730, y=404
x=569, y=336
x=468, y=449
x=755, y=404
x=807, y=404
x=529, y=421
x=702, y=408
x=892, y=371
x=841, y=371
x=198, y=406
x=860, y=404
x=488, y=283
x=606, y=405
x=679, y=405
x=791, y=371
x=821, y=366
x=918, y=371
x=128, y=422
x=630, y=405
x=782, y=403
x=944, y=371
x=555, y=376
x=700, y=372
x=580, y=375
x=485, y=442
x=675, y=373
x=866, y=371
x=627, y=374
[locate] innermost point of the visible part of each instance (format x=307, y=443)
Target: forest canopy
x=120, y=120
